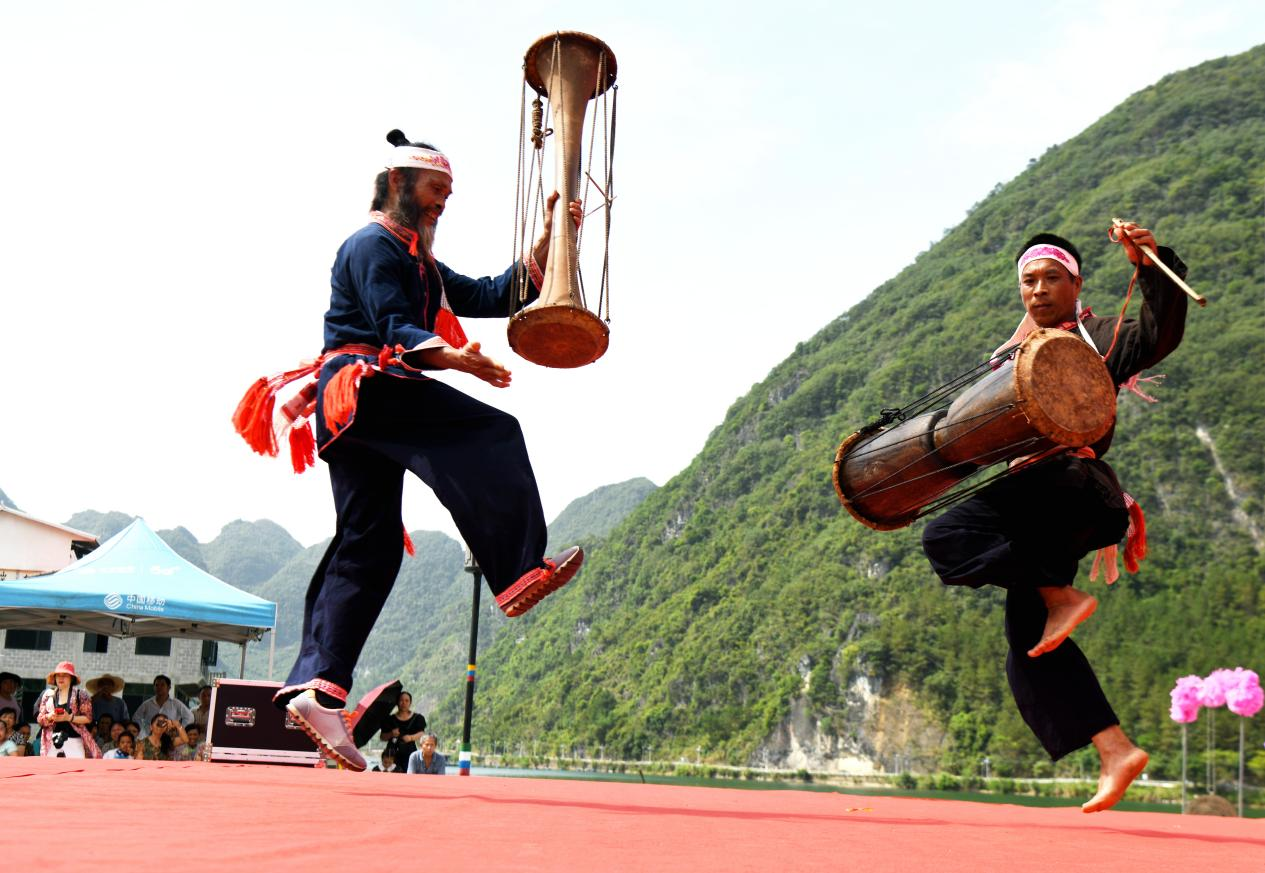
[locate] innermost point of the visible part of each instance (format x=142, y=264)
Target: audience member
x=426, y=759
x=402, y=731
x=162, y=702
x=125, y=749
x=103, y=690
x=101, y=730
x=164, y=737
x=9, y=716
x=9, y=685
x=116, y=730
x=23, y=739
x=203, y=711
x=193, y=748
x=65, y=715
x=134, y=728
x=8, y=746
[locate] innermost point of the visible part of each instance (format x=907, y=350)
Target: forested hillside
x=739, y=611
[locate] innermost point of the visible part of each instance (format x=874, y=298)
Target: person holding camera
x=65, y=715
x=164, y=736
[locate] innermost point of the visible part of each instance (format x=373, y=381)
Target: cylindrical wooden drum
x=1054, y=391
x=883, y=478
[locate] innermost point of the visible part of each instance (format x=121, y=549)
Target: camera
x=59, y=740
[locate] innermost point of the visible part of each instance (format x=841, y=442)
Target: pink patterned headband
x=1045, y=250
x=425, y=159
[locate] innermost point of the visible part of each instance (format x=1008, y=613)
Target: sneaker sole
x=533, y=594
x=321, y=743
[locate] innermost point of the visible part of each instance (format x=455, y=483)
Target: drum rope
x=940, y=393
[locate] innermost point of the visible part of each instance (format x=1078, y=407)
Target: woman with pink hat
x=65, y=716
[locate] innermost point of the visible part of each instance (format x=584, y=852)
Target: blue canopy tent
x=134, y=585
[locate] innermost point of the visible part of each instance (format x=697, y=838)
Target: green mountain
x=595, y=514
x=740, y=614
x=249, y=553
x=107, y=524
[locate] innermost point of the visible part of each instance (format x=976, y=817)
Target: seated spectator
x=194, y=747
x=203, y=711
x=65, y=715
x=163, y=702
x=23, y=739
x=426, y=759
x=101, y=730
x=164, y=737
x=134, y=728
x=9, y=716
x=116, y=730
x=125, y=749
x=104, y=702
x=9, y=685
x=8, y=746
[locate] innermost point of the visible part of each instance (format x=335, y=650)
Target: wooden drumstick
x=1155, y=259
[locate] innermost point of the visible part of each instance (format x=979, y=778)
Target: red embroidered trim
x=322, y=685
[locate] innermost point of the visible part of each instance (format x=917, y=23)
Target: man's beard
x=408, y=213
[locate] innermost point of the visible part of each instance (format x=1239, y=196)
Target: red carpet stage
x=60, y=814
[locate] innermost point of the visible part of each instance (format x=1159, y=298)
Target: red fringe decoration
x=253, y=417
x=1135, y=539
x=408, y=544
x=302, y=447
x=340, y=395
x=1106, y=560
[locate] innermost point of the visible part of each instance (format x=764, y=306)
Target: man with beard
x=391, y=321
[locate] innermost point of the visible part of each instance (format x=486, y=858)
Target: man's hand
x=468, y=360
x=540, y=251
x=1131, y=236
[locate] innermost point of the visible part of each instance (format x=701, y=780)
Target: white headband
x=425, y=159
x=1046, y=250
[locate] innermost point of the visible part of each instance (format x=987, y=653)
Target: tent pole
x=272, y=651
x=242, y=673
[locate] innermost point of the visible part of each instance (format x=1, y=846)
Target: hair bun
x=397, y=138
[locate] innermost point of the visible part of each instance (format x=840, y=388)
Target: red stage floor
x=63, y=815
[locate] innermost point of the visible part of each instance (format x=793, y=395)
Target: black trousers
x=475, y=460
x=1023, y=532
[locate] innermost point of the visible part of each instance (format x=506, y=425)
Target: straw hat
x=64, y=667
x=94, y=685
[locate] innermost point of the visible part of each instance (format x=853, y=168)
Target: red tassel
x=340, y=395
x=1105, y=559
x=408, y=544
x=302, y=447
x=253, y=417
x=1135, y=539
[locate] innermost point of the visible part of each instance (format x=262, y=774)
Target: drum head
x=577, y=51
x=558, y=336
x=1063, y=388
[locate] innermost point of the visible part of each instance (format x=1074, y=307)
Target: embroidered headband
x=1046, y=250
x=425, y=159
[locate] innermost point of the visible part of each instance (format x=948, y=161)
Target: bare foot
x=1066, y=608
x=1122, y=762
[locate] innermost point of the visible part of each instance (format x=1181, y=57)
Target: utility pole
x=472, y=567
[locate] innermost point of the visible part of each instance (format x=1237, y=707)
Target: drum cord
x=939, y=394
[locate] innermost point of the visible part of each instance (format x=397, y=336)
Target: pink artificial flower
x=1212, y=692
x=1245, y=698
x=1186, y=699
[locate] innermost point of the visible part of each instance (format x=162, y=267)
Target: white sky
x=176, y=177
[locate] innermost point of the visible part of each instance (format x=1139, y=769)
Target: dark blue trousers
x=1023, y=532
x=475, y=460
